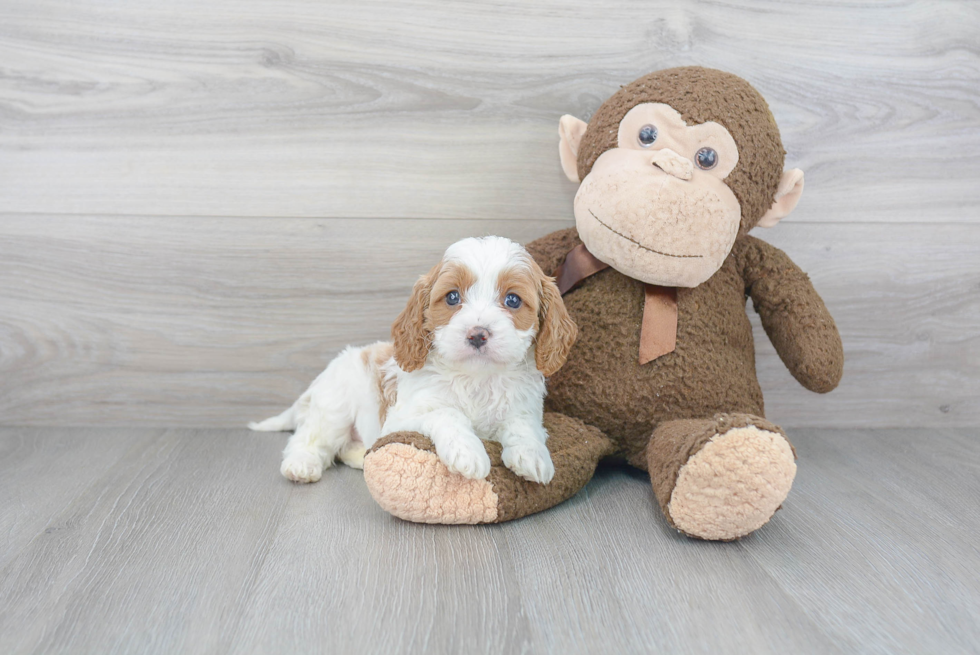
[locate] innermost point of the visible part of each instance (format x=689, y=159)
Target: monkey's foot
x=720, y=478
x=406, y=477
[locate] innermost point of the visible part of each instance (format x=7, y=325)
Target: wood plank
x=153, y=558
x=210, y=321
x=236, y=108
x=343, y=572
x=548, y=583
x=31, y=458
x=194, y=544
x=906, y=299
x=880, y=537
x=622, y=575
x=192, y=321
x=149, y=566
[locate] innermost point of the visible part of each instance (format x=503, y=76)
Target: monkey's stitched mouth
x=640, y=245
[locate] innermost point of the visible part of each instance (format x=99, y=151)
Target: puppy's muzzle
x=477, y=337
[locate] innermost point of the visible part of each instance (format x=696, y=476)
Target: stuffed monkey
x=674, y=170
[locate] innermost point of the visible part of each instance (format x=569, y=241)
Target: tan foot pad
x=733, y=485
x=407, y=478
x=413, y=484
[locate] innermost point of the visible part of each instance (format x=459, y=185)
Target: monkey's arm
x=549, y=251
x=793, y=315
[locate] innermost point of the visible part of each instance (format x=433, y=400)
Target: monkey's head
x=673, y=168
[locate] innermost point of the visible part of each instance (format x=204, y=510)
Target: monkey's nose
x=477, y=337
x=672, y=164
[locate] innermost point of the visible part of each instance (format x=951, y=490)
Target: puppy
x=468, y=361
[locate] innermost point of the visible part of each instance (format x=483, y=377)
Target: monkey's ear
x=570, y=131
x=787, y=195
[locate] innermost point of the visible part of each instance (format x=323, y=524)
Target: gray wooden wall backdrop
x=201, y=202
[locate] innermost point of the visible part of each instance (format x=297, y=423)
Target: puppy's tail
x=285, y=421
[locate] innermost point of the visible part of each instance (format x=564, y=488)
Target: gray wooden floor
x=183, y=540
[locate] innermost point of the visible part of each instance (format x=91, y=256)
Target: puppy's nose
x=478, y=336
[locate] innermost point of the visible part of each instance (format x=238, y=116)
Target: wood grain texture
x=74, y=458
x=196, y=321
x=194, y=544
x=884, y=521
x=155, y=556
x=418, y=109
x=210, y=321
x=906, y=299
x=201, y=203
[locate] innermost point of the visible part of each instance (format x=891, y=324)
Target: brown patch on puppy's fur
x=373, y=358
x=409, y=333
x=527, y=286
x=454, y=277
x=387, y=386
x=542, y=306
x=426, y=310
x=557, y=331
x=382, y=354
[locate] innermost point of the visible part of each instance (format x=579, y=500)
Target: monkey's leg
x=720, y=478
x=407, y=478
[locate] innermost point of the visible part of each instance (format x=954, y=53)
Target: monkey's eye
x=513, y=301
x=706, y=158
x=647, y=135
x=452, y=298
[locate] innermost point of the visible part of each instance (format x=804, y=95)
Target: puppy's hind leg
x=318, y=439
x=327, y=412
x=353, y=455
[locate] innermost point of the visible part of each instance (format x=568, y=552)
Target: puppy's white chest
x=486, y=401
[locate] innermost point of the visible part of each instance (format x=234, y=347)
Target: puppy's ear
x=556, y=329
x=409, y=332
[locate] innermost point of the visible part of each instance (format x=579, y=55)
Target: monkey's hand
x=794, y=316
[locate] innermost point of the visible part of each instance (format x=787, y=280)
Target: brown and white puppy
x=468, y=361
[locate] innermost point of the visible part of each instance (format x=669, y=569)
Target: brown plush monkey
x=675, y=169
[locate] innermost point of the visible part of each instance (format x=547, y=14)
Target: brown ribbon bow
x=658, y=334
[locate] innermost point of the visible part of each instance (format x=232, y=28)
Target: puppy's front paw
x=302, y=467
x=531, y=461
x=467, y=457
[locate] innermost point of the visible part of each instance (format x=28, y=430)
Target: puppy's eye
x=452, y=298
x=513, y=301
x=647, y=135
